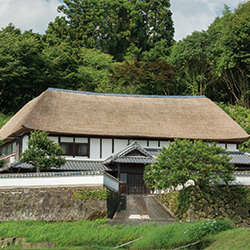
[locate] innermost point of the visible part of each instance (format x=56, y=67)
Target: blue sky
x=188, y=15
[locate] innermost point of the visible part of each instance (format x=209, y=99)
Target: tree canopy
x=121, y=28
x=216, y=62
x=140, y=77
x=42, y=152
x=186, y=160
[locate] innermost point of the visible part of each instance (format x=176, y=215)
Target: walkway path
x=140, y=209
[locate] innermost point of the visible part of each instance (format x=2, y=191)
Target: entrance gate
x=135, y=183
x=131, y=179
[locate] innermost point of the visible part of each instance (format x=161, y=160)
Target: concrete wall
x=49, y=204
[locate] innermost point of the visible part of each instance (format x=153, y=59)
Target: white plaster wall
x=120, y=144
x=66, y=139
x=94, y=148
x=53, y=138
x=142, y=143
x=81, y=140
x=231, y=147
x=53, y=181
x=67, y=157
x=153, y=144
x=25, y=142
x=81, y=157
x=222, y=145
x=241, y=180
x=164, y=143
x=106, y=148
x=111, y=183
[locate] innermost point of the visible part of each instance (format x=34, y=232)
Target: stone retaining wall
x=49, y=204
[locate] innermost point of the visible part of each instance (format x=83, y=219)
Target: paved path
x=140, y=209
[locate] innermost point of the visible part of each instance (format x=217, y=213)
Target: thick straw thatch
x=72, y=112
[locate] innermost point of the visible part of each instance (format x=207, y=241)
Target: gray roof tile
x=134, y=159
x=71, y=165
x=239, y=157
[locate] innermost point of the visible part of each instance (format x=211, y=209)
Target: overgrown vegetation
x=99, y=235
x=230, y=240
x=242, y=116
x=100, y=194
x=4, y=118
x=228, y=202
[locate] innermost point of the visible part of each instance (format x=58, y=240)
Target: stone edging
x=166, y=208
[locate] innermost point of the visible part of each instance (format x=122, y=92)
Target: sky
x=188, y=15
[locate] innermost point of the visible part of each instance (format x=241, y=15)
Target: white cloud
x=36, y=14
x=194, y=15
x=28, y=14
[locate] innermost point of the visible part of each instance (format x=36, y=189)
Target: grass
x=235, y=239
x=99, y=235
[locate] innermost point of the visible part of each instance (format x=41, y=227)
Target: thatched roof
x=165, y=117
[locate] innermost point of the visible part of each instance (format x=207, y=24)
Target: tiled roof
x=134, y=159
x=75, y=165
x=50, y=174
x=123, y=156
x=239, y=157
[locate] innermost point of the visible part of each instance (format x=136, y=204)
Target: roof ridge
x=124, y=95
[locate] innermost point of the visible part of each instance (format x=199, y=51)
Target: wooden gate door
x=135, y=183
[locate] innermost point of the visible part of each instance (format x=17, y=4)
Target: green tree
x=140, y=77
x=242, y=116
x=93, y=69
x=42, y=153
x=122, y=28
x=233, y=53
x=193, y=65
x=184, y=160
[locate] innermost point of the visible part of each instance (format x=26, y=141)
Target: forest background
x=121, y=46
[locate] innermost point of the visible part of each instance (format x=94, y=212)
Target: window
x=81, y=149
x=75, y=149
x=123, y=178
x=67, y=148
x=8, y=149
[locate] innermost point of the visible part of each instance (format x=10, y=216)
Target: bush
x=100, y=194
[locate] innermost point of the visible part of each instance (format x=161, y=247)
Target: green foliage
x=100, y=194
x=192, y=62
x=230, y=240
x=208, y=227
x=140, y=77
x=98, y=235
x=227, y=202
x=216, y=62
x=28, y=67
x=242, y=116
x=42, y=153
x=185, y=160
x=121, y=28
x=4, y=119
x=93, y=69
x=233, y=63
